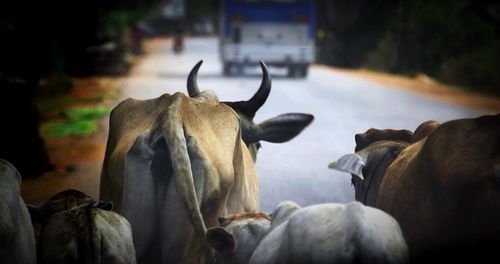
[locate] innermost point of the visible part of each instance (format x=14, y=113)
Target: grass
x=86, y=113
x=79, y=121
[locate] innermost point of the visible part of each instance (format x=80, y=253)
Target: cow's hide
x=148, y=173
x=444, y=189
x=17, y=240
x=174, y=164
x=86, y=234
x=322, y=233
x=77, y=229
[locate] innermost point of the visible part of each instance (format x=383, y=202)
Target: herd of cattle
x=178, y=185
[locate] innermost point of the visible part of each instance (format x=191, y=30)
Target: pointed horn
x=192, y=84
x=260, y=97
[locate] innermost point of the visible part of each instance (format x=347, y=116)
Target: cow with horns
x=173, y=164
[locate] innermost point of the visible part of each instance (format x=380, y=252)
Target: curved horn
x=260, y=97
x=192, y=84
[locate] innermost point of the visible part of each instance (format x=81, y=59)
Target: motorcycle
x=178, y=46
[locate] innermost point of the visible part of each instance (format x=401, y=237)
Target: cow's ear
x=351, y=163
x=219, y=239
x=37, y=213
x=282, y=128
x=107, y=206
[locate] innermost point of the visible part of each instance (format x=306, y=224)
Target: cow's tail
x=173, y=132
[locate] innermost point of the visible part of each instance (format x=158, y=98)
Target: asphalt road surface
x=342, y=106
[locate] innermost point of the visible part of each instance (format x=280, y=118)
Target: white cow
x=323, y=233
x=77, y=229
x=17, y=240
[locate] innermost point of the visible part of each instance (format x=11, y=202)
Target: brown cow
x=173, y=164
x=444, y=189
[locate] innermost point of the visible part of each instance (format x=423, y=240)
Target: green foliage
x=383, y=57
x=86, y=113
x=477, y=69
x=451, y=42
x=454, y=41
x=352, y=29
x=69, y=128
x=80, y=121
x=114, y=23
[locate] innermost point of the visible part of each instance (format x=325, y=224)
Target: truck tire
x=227, y=69
x=304, y=70
x=297, y=71
x=292, y=71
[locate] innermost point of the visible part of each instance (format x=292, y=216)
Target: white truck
x=280, y=33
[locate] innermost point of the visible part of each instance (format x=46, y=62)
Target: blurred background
x=353, y=64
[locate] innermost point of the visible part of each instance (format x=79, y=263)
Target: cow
x=173, y=164
x=77, y=229
x=380, y=147
x=279, y=129
x=442, y=185
x=17, y=239
x=322, y=233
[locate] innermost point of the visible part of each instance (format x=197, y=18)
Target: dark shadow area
x=20, y=142
x=45, y=45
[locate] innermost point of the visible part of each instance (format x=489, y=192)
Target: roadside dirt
x=78, y=159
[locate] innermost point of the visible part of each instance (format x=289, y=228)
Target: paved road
x=342, y=106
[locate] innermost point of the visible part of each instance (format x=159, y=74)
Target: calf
x=77, y=229
x=323, y=233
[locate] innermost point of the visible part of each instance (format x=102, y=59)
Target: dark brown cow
x=444, y=189
x=380, y=149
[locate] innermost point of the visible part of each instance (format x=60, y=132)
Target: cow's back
x=444, y=192
x=133, y=117
x=17, y=240
x=328, y=233
x=115, y=234
x=86, y=235
x=140, y=172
